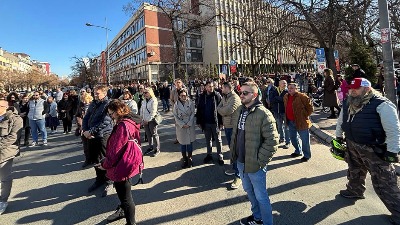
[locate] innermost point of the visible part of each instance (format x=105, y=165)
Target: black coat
x=201, y=107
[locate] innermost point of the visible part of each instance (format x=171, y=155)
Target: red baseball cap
x=359, y=82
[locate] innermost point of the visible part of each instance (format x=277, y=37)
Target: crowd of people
x=258, y=115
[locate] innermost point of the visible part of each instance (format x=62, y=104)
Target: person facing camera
x=184, y=112
x=148, y=111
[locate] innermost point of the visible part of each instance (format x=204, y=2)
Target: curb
x=322, y=134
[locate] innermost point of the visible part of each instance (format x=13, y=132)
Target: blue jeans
x=165, y=104
x=228, y=135
x=305, y=140
x=187, y=148
x=283, y=130
x=255, y=185
x=35, y=126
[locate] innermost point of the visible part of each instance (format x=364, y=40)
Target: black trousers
x=97, y=151
x=124, y=193
x=67, y=124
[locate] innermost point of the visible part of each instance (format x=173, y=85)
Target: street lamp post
x=108, y=52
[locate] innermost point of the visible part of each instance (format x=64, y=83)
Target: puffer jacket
x=118, y=158
x=227, y=106
x=261, y=137
x=10, y=132
x=96, y=120
x=302, y=109
x=149, y=109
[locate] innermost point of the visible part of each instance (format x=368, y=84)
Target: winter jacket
x=96, y=120
x=67, y=106
x=38, y=109
x=261, y=137
x=302, y=109
x=184, y=115
x=201, y=108
x=149, y=109
x=330, y=97
x=132, y=105
x=277, y=100
x=10, y=132
x=118, y=154
x=165, y=93
x=227, y=106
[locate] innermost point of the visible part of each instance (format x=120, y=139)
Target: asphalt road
x=51, y=188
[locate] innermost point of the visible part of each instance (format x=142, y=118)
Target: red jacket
x=119, y=162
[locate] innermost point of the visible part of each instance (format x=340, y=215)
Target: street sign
x=232, y=62
x=385, y=34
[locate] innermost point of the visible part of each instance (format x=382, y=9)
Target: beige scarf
x=354, y=110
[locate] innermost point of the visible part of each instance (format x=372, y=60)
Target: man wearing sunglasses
x=254, y=142
x=38, y=108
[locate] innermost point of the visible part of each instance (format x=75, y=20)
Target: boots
x=184, y=160
x=189, y=159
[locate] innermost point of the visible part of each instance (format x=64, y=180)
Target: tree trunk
x=330, y=60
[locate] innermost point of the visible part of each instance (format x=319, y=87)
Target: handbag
x=158, y=118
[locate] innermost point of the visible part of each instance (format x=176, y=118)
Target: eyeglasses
x=245, y=93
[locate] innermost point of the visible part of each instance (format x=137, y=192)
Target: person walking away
x=298, y=109
x=229, y=103
x=52, y=115
x=331, y=99
x=24, y=107
x=84, y=103
x=148, y=113
x=37, y=111
x=10, y=130
x=118, y=161
x=164, y=96
x=371, y=129
x=184, y=112
x=96, y=127
x=278, y=110
x=210, y=121
x=64, y=110
x=254, y=142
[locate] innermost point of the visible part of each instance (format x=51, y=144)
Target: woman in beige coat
x=184, y=112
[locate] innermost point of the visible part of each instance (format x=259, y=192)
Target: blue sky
x=55, y=31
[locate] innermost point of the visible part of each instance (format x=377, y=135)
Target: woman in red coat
x=120, y=161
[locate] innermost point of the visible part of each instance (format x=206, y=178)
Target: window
x=193, y=41
x=194, y=55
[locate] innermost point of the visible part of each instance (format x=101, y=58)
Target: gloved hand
x=391, y=157
x=340, y=140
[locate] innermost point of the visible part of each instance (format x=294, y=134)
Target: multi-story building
x=144, y=48
x=24, y=61
x=43, y=67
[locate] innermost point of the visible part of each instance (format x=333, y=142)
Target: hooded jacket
x=10, y=131
x=227, y=107
x=261, y=137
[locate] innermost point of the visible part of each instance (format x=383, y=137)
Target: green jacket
x=10, y=131
x=261, y=137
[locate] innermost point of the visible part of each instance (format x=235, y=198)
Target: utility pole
x=387, y=50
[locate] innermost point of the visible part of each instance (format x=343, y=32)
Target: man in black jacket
x=358, y=72
x=97, y=127
x=164, y=96
x=210, y=121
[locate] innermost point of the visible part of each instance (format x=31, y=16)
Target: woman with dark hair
x=118, y=156
x=13, y=101
x=127, y=98
x=64, y=113
x=184, y=112
x=330, y=96
x=24, y=110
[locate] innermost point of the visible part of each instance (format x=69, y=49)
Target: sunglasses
x=145, y=92
x=245, y=93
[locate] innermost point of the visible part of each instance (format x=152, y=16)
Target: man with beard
x=254, y=142
x=372, y=131
x=96, y=128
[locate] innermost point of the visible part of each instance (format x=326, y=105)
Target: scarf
x=354, y=110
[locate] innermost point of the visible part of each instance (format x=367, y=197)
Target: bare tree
x=184, y=17
x=82, y=74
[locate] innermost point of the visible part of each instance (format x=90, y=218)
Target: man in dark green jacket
x=254, y=142
x=10, y=131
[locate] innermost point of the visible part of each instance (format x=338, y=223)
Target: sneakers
x=230, y=172
x=236, y=183
x=294, y=155
x=250, y=221
x=3, y=207
x=52, y=132
x=208, y=159
x=349, y=194
x=221, y=160
x=107, y=189
x=286, y=146
x=148, y=151
x=33, y=144
x=45, y=142
x=94, y=186
x=117, y=215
